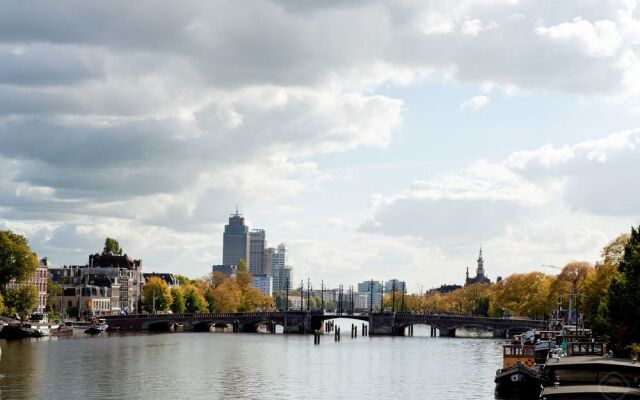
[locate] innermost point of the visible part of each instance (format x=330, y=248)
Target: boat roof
x=587, y=361
x=551, y=392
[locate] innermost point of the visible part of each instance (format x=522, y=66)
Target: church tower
x=480, y=270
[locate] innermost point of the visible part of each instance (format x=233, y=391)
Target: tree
x=209, y=296
x=624, y=296
x=53, y=290
x=156, y=292
x=1, y=304
x=571, y=282
x=23, y=299
x=111, y=246
x=596, y=287
x=194, y=301
x=178, y=304
x=17, y=261
x=227, y=296
x=183, y=280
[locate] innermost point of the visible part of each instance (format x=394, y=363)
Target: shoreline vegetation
x=604, y=296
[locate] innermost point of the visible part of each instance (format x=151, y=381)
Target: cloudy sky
x=378, y=139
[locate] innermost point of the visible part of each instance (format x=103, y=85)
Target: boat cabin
x=586, y=349
x=513, y=354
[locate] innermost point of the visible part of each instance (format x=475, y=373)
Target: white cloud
x=599, y=39
x=475, y=103
x=541, y=206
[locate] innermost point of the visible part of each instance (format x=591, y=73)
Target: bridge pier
x=500, y=333
x=447, y=332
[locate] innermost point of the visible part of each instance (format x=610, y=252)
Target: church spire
x=480, y=270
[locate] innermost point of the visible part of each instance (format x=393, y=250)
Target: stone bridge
x=382, y=324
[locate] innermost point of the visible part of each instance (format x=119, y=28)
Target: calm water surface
x=249, y=366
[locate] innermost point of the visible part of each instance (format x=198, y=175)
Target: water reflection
x=249, y=366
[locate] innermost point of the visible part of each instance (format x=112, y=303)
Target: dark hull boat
x=96, y=329
x=518, y=380
x=16, y=331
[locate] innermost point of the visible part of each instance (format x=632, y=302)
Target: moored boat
x=18, y=331
x=97, y=327
x=519, y=375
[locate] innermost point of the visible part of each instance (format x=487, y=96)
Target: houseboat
x=519, y=375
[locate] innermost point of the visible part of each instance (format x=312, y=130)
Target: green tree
x=155, y=291
x=210, y=297
x=194, y=300
x=23, y=299
x=178, y=304
x=17, y=261
x=111, y=246
x=183, y=280
x=1, y=304
x=596, y=287
x=53, y=290
x=624, y=296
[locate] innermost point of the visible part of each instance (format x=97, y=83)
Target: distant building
x=267, y=262
x=480, y=276
x=235, y=246
x=279, y=270
x=229, y=270
x=264, y=283
x=257, y=242
x=395, y=284
x=373, y=290
x=170, y=279
x=444, y=289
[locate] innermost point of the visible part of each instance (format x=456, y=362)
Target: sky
x=377, y=139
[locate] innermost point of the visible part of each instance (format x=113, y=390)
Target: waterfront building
x=395, y=283
x=373, y=289
x=257, y=242
x=129, y=274
x=480, y=275
x=39, y=279
x=85, y=300
x=229, y=270
x=263, y=282
x=235, y=244
x=170, y=279
x=119, y=273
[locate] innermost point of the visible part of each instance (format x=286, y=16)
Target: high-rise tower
x=236, y=241
x=257, y=242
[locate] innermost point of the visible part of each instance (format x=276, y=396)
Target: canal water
x=249, y=366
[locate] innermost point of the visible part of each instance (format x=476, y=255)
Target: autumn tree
x=525, y=295
x=156, y=295
x=569, y=282
x=111, y=246
x=17, y=261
